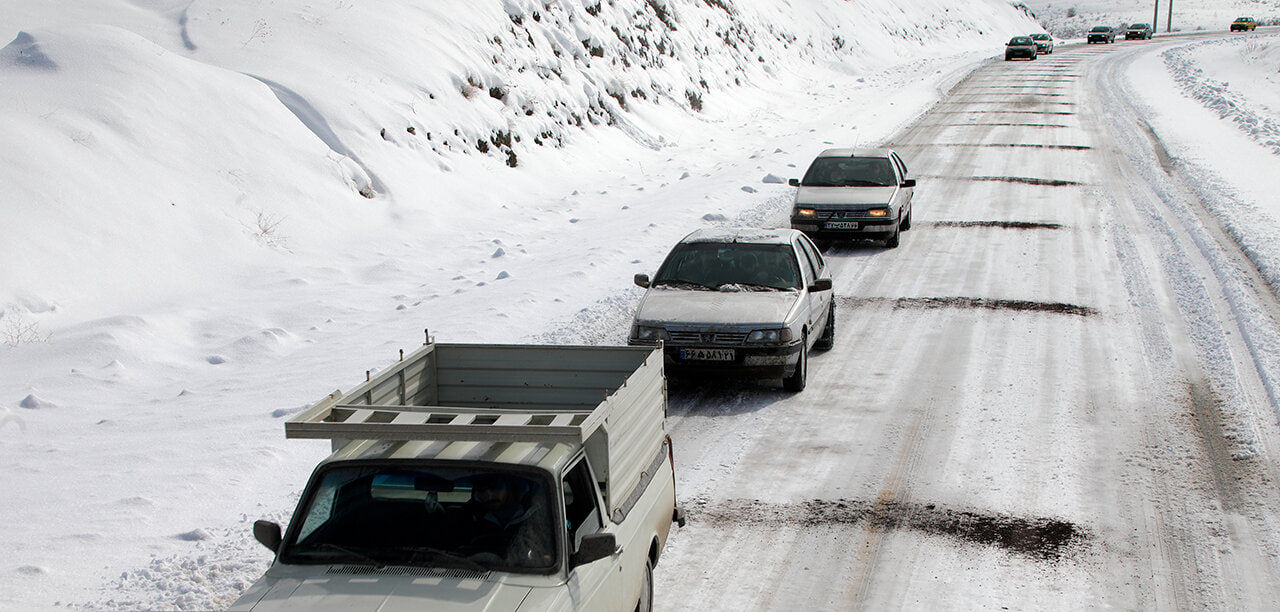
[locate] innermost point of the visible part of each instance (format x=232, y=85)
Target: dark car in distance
x=1101, y=34
x=1020, y=46
x=1140, y=31
x=1044, y=43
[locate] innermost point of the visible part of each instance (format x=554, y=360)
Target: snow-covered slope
x=217, y=211
x=381, y=99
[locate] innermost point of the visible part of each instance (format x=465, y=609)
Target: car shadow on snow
x=708, y=395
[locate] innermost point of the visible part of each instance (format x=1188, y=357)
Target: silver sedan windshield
x=849, y=172
x=724, y=266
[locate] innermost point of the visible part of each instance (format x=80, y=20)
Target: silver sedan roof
x=850, y=152
x=750, y=235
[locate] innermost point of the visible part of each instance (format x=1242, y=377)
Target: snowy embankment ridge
x=1224, y=132
x=219, y=211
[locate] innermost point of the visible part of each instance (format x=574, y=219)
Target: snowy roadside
x=1222, y=127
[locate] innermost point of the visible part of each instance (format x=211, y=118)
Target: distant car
x=1244, y=24
x=1101, y=34
x=1044, y=42
x=1021, y=46
x=850, y=194
x=1140, y=31
x=747, y=302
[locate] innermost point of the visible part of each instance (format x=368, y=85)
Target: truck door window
x=581, y=510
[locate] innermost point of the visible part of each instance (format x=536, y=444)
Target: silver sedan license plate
x=842, y=225
x=699, y=354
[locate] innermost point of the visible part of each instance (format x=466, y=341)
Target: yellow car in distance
x=1244, y=24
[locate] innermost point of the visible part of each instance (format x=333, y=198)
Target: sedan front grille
x=720, y=338
x=827, y=215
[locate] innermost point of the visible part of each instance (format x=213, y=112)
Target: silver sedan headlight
x=769, y=336
x=646, y=333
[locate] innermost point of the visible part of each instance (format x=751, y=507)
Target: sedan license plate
x=851, y=225
x=698, y=354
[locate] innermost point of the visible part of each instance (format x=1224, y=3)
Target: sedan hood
x=388, y=593
x=845, y=195
x=678, y=306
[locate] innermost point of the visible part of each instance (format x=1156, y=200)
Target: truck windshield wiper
x=436, y=553
x=353, y=552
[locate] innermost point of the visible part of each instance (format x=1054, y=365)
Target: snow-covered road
x=1056, y=394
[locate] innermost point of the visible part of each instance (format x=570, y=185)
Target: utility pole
x=1155, y=18
x=1168, y=26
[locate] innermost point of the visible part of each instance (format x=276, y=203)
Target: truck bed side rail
x=360, y=422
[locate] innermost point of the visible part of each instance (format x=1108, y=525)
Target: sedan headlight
x=878, y=212
x=805, y=212
x=645, y=333
x=769, y=336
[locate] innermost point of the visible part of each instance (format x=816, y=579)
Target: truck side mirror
x=793, y=182
x=822, y=284
x=642, y=280
x=909, y=183
x=593, y=548
x=268, y=533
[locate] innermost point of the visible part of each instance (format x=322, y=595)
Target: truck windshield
x=730, y=266
x=850, y=171
x=451, y=517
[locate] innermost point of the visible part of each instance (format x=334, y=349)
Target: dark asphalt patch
x=1024, y=180
x=1044, y=539
x=968, y=303
x=1018, y=225
x=1017, y=93
x=1034, y=125
x=1004, y=112
x=1006, y=100
x=1002, y=145
x=1004, y=88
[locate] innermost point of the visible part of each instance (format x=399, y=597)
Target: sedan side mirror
x=909, y=183
x=641, y=280
x=594, y=547
x=268, y=533
x=822, y=284
x=793, y=182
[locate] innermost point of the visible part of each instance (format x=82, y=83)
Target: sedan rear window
x=726, y=266
x=849, y=172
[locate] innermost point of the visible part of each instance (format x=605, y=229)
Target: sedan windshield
x=1040, y=36
x=849, y=172
x=1020, y=41
x=430, y=517
x=1103, y=29
x=728, y=266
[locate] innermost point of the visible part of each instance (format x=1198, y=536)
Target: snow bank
x=127, y=166
x=185, y=137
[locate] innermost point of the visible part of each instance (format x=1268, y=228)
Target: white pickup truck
x=482, y=477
